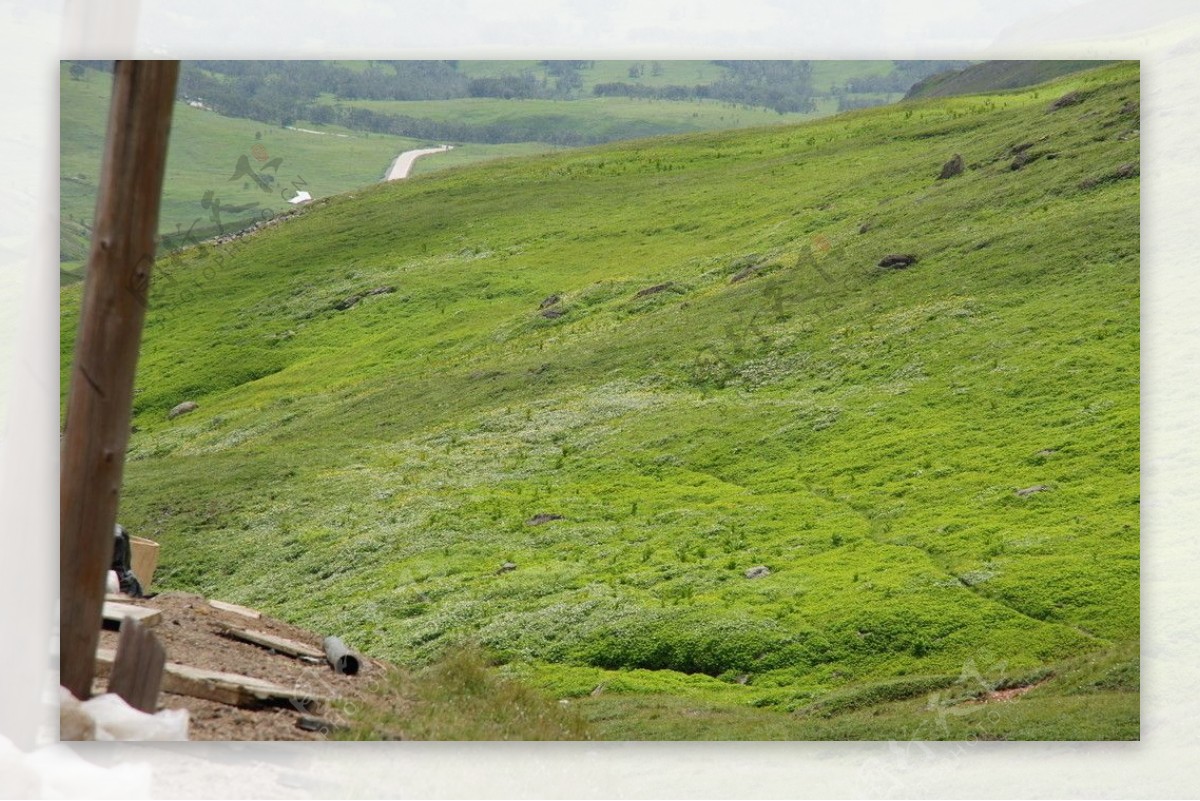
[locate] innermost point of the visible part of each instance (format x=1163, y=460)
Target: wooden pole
x=100, y=398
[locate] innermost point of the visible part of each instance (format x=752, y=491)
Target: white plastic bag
x=114, y=719
x=117, y=720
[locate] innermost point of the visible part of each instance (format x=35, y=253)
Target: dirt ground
x=190, y=632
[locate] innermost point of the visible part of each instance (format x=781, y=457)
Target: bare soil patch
x=190, y=632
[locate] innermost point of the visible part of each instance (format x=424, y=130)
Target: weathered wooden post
x=100, y=398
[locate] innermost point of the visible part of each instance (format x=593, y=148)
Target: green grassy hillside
x=203, y=198
x=609, y=382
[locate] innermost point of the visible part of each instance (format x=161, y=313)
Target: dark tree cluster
x=784, y=86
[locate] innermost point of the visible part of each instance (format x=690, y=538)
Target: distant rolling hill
x=993, y=76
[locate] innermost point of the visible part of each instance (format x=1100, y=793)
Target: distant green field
x=203, y=155
x=669, y=72
x=594, y=116
x=829, y=74
x=204, y=152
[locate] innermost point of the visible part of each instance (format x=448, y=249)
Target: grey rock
x=898, y=261
x=953, y=167
x=758, y=572
x=183, y=408
x=1069, y=99
x=653, y=290
x=744, y=273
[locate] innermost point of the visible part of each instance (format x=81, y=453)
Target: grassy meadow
x=598, y=386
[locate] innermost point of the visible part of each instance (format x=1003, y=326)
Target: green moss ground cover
x=861, y=432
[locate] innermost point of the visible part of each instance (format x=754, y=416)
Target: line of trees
x=282, y=92
x=785, y=86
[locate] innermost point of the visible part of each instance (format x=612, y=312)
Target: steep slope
x=597, y=388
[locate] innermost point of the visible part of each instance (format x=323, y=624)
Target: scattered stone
x=758, y=572
x=538, y=520
x=1022, y=158
x=309, y=723
x=1127, y=170
x=507, y=567
x=1046, y=452
x=1131, y=107
x=342, y=305
x=550, y=301
x=653, y=290
x=1036, y=488
x=742, y=679
x=1018, y=149
x=744, y=273
x=183, y=408
x=952, y=167
x=1069, y=99
x=862, y=229
x=258, y=226
x=897, y=261
x=381, y=290
x=552, y=314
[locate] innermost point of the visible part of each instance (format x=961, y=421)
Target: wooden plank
x=281, y=644
x=111, y=316
x=226, y=688
x=137, y=669
x=253, y=614
x=116, y=612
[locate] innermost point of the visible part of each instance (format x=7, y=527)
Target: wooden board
x=253, y=614
x=225, y=688
x=281, y=644
x=116, y=612
x=138, y=667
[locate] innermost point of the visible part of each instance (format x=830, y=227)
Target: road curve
x=404, y=161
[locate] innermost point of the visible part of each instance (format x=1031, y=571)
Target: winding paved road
x=404, y=161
